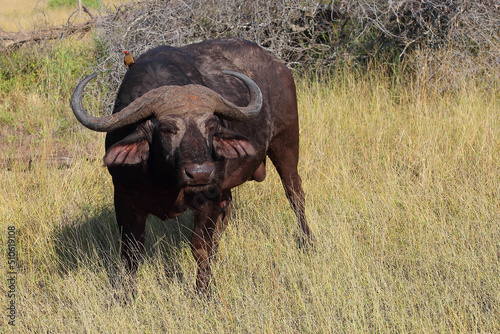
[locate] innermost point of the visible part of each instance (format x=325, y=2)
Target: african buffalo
x=179, y=139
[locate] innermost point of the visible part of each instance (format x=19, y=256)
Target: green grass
x=73, y=3
x=402, y=191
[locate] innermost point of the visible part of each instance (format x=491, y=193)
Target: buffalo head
x=177, y=128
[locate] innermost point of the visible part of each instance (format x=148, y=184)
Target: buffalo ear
x=229, y=144
x=123, y=153
x=131, y=150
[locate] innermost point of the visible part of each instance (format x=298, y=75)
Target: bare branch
x=11, y=40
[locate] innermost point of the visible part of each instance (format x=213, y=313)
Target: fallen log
x=12, y=40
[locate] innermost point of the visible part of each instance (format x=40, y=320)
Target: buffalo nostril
x=199, y=174
x=188, y=173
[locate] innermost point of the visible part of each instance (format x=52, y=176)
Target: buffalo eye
x=168, y=129
x=212, y=128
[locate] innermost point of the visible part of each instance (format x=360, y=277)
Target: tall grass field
x=402, y=192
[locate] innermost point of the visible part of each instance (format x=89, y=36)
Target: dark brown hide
x=191, y=158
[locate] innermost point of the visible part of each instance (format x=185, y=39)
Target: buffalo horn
x=144, y=106
x=231, y=112
x=134, y=112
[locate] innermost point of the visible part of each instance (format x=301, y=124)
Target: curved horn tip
x=241, y=114
x=251, y=85
x=81, y=85
x=90, y=77
x=76, y=97
x=76, y=104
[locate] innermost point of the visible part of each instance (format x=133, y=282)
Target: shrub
x=441, y=42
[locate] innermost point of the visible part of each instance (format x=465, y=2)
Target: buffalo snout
x=199, y=174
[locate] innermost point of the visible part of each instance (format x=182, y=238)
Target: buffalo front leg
x=210, y=221
x=285, y=159
x=131, y=224
x=222, y=220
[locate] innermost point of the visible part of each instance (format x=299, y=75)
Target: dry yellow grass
x=402, y=192
x=26, y=15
